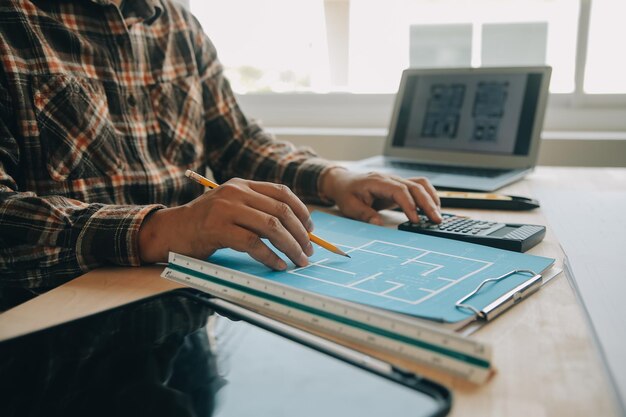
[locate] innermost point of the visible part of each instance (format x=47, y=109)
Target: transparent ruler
x=377, y=329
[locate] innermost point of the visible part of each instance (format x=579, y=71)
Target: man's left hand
x=360, y=196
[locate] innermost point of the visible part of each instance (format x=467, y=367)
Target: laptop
x=475, y=129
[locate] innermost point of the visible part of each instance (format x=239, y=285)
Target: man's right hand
x=235, y=215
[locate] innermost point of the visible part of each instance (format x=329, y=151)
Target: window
x=267, y=45
x=275, y=50
x=606, y=62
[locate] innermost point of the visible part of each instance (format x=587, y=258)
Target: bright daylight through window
x=362, y=46
x=606, y=63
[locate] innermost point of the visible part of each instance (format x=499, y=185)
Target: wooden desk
x=546, y=358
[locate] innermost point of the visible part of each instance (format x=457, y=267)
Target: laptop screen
x=486, y=112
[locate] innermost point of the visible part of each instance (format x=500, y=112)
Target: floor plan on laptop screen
x=400, y=271
x=469, y=112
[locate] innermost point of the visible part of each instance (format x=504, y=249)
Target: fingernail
x=376, y=221
x=309, y=225
x=303, y=260
x=309, y=249
x=281, y=265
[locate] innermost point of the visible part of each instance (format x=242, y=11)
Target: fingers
x=239, y=214
x=383, y=187
x=283, y=194
x=285, y=213
x=378, y=191
x=244, y=240
x=268, y=226
x=426, y=197
x=428, y=187
x=358, y=209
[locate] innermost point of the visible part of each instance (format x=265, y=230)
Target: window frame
x=576, y=111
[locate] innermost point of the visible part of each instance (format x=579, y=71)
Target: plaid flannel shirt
x=102, y=110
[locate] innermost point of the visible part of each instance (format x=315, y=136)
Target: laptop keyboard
x=440, y=169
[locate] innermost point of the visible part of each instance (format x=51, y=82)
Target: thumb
x=359, y=210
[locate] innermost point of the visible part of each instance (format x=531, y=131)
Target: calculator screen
x=503, y=231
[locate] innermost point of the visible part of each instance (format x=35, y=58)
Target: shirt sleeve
x=45, y=241
x=238, y=147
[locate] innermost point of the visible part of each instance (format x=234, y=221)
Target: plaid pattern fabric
x=101, y=112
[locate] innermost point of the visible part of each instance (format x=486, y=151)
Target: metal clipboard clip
x=505, y=301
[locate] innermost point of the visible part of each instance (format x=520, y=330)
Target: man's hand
x=360, y=196
x=235, y=215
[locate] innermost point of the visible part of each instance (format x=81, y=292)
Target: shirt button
x=132, y=101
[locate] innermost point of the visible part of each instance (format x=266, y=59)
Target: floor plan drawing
x=488, y=110
x=403, y=273
x=443, y=111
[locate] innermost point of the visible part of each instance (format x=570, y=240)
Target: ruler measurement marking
x=404, y=330
x=425, y=341
x=359, y=335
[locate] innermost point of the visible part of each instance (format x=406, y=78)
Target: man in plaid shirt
x=103, y=106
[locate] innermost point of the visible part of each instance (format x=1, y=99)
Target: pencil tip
x=348, y=255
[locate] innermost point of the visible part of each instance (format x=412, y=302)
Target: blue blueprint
x=404, y=272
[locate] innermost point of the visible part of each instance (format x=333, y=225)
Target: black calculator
x=515, y=237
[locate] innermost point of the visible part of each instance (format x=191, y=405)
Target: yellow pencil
x=200, y=179
x=316, y=239
x=327, y=245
